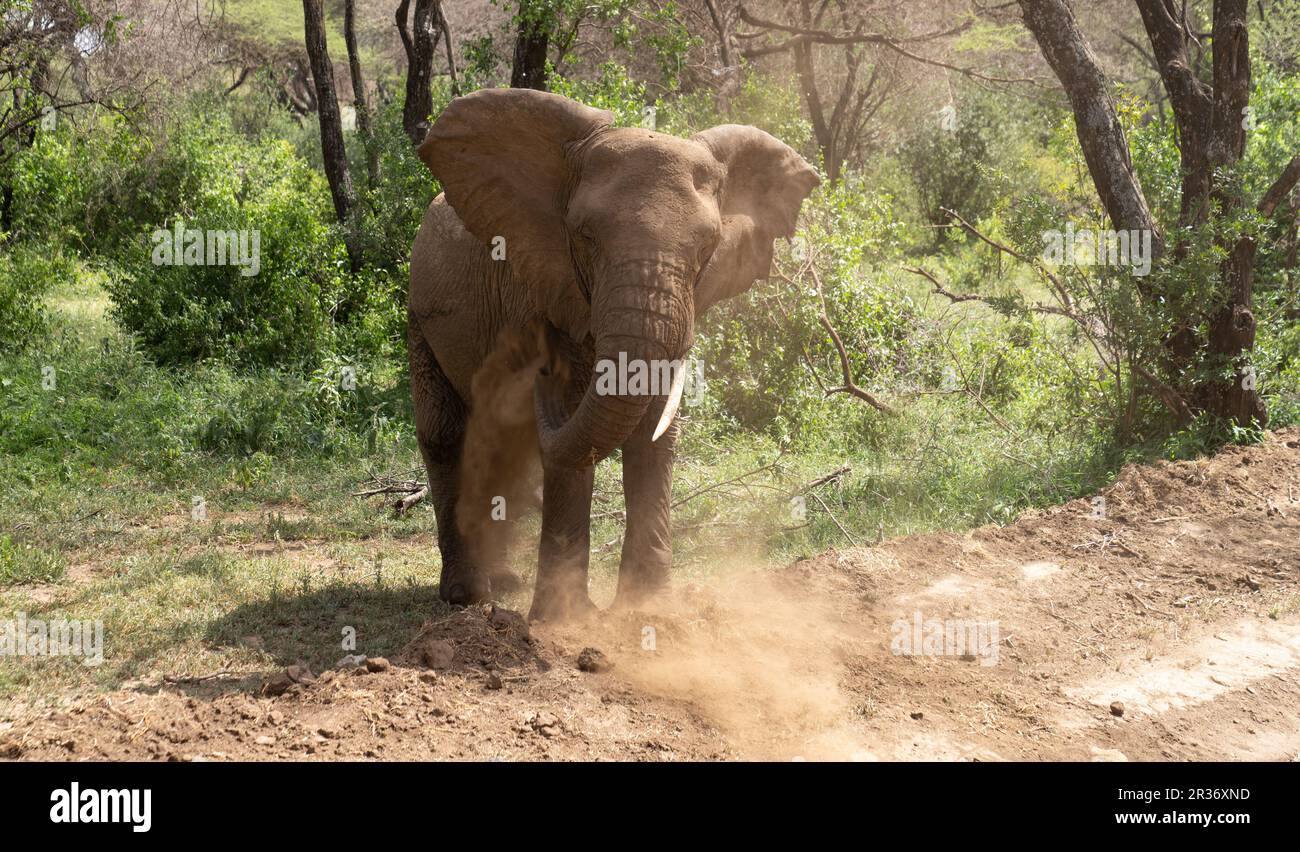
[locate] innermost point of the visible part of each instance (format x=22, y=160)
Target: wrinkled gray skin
x=618, y=239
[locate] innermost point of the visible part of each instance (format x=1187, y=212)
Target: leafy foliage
x=26, y=276
x=219, y=181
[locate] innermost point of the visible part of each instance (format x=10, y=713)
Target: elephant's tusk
x=674, y=400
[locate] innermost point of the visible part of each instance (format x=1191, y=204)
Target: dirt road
x=1162, y=622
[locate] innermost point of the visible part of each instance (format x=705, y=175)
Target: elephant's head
x=621, y=234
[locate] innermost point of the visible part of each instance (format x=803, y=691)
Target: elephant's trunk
x=642, y=320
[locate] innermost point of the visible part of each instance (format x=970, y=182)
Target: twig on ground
x=415, y=488
x=395, y=488
x=1146, y=606
x=195, y=678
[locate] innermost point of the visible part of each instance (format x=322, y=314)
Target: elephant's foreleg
x=647, y=493
x=440, y=418
x=565, y=549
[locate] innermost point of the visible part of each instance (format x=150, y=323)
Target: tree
x=331, y=123
x=419, y=43
x=359, y=99
x=532, y=42
x=842, y=103
x=722, y=20
x=44, y=43
x=546, y=33
x=1211, y=118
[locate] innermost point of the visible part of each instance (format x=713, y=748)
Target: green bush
x=767, y=341
x=27, y=274
x=948, y=164
x=390, y=212
x=218, y=180
x=85, y=189
x=274, y=412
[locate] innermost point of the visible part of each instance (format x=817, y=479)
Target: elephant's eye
x=706, y=252
x=586, y=242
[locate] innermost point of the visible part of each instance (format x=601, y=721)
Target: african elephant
x=610, y=240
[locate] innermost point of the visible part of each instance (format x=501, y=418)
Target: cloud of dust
x=500, y=460
x=760, y=655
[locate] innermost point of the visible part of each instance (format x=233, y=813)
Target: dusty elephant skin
x=560, y=241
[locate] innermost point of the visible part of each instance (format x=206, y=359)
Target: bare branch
x=1281, y=187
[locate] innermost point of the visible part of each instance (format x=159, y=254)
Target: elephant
x=577, y=243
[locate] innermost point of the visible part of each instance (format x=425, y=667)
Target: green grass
x=22, y=563
x=279, y=24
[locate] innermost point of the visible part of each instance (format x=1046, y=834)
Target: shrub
x=947, y=165
x=26, y=276
x=390, y=212
x=768, y=340
x=218, y=180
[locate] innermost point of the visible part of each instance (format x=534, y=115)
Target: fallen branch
x=1137, y=599
x=402, y=506
x=394, y=488
x=830, y=477
x=393, y=484
x=195, y=678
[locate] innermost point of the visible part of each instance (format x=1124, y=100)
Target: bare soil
x=1164, y=624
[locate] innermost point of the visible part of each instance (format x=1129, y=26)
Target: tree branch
x=1281, y=187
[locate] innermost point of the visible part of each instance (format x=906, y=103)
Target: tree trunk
x=359, y=99
x=1210, y=120
x=331, y=124
x=720, y=25
x=445, y=26
x=1232, y=329
x=822, y=132
x=532, y=43
x=1105, y=147
x=1291, y=258
x=1191, y=101
x=25, y=136
x=419, y=43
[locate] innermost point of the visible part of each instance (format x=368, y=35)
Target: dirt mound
x=488, y=638
x=1161, y=621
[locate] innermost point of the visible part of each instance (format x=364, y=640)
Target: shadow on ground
x=317, y=628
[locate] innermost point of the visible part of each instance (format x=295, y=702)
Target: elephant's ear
x=765, y=183
x=501, y=156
